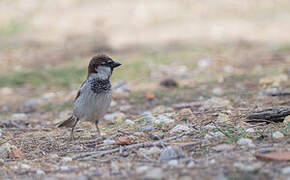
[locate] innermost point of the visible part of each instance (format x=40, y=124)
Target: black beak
x=115, y=64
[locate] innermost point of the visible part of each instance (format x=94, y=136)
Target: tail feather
x=68, y=123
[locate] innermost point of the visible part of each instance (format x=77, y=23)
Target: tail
x=68, y=123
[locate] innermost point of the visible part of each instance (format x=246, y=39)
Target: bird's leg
x=72, y=129
x=97, y=127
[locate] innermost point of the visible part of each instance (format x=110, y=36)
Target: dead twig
x=121, y=149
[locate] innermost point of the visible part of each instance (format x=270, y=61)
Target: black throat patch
x=99, y=86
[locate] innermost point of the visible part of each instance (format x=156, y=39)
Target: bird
x=95, y=94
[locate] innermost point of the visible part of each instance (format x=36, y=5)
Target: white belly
x=90, y=106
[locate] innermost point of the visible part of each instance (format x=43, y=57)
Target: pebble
x=173, y=163
x=129, y=122
x=248, y=167
x=191, y=164
x=163, y=119
x=218, y=91
x=223, y=118
x=139, y=134
x=152, y=151
x=162, y=109
x=278, y=135
x=215, y=102
x=246, y=142
x=40, y=172
x=171, y=152
x=25, y=166
x=142, y=169
x=64, y=168
x=32, y=103
x=149, y=118
x=156, y=135
x=185, y=111
x=250, y=130
x=216, y=134
x=48, y=95
x=66, y=159
x=156, y=173
x=286, y=170
x=53, y=156
x=113, y=103
x=1, y=132
x=115, y=117
x=180, y=128
x=147, y=128
x=19, y=116
x=2, y=162
x=108, y=142
x=125, y=107
x=5, y=150
x=223, y=147
x=209, y=127
x=6, y=91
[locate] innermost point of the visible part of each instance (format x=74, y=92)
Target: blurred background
x=208, y=47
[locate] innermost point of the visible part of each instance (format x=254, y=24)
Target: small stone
x=32, y=103
x=173, y=163
x=180, y=128
x=40, y=172
x=6, y=91
x=171, y=152
x=113, y=103
x=273, y=81
x=25, y=166
x=19, y=116
x=286, y=170
x=156, y=136
x=125, y=107
x=246, y=142
x=248, y=167
x=163, y=119
x=66, y=159
x=216, y=134
x=5, y=150
x=147, y=128
x=2, y=162
x=142, y=169
x=152, y=151
x=215, y=102
x=185, y=111
x=64, y=168
x=223, y=147
x=115, y=117
x=156, y=173
x=108, y=142
x=278, y=135
x=139, y=134
x=162, y=109
x=218, y=91
x=53, y=156
x=4, y=109
x=48, y=95
x=149, y=118
x=250, y=130
x=191, y=164
x=209, y=127
x=129, y=122
x=223, y=118
x=1, y=132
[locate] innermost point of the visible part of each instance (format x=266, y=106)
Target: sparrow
x=95, y=94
